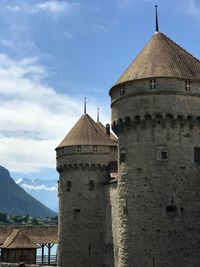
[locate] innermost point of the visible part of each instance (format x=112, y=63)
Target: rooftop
x=162, y=57
x=38, y=234
x=87, y=132
x=17, y=239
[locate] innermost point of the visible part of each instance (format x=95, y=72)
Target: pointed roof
x=86, y=132
x=17, y=239
x=103, y=128
x=161, y=57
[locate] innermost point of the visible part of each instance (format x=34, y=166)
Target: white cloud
x=33, y=116
x=38, y=187
x=54, y=7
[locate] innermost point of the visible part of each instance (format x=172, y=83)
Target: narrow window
x=79, y=148
x=91, y=185
x=69, y=185
x=76, y=214
x=197, y=154
x=95, y=148
x=89, y=249
x=122, y=155
x=122, y=90
x=152, y=83
x=164, y=155
x=187, y=86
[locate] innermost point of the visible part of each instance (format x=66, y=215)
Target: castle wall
x=159, y=198
x=81, y=204
x=111, y=224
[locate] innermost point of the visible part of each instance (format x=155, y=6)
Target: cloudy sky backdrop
x=53, y=53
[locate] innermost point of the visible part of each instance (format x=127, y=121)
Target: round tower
x=156, y=116
x=82, y=162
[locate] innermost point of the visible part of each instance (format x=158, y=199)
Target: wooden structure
x=42, y=236
x=18, y=248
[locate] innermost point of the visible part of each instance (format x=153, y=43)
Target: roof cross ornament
x=85, y=105
x=157, y=25
x=98, y=115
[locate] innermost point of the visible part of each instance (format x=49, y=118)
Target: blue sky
x=55, y=52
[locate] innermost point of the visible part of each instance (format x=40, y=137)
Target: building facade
x=145, y=212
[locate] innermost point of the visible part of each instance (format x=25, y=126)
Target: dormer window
x=187, y=86
x=78, y=148
x=94, y=148
x=122, y=90
x=152, y=83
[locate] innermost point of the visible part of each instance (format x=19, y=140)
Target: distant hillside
x=14, y=200
x=45, y=191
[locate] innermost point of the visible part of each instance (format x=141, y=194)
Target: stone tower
x=83, y=158
x=156, y=116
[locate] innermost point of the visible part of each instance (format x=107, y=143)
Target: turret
x=82, y=161
x=156, y=116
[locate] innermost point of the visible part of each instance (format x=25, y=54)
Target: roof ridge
x=166, y=37
x=12, y=240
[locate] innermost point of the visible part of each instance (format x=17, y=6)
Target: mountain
x=16, y=201
x=43, y=190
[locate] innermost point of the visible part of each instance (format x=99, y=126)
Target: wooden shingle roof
x=37, y=233
x=162, y=57
x=86, y=132
x=17, y=239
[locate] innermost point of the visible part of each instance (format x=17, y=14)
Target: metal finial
x=98, y=115
x=157, y=26
x=85, y=105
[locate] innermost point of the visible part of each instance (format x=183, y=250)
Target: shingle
x=162, y=57
x=17, y=239
x=86, y=132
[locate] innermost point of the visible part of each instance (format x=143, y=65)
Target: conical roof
x=17, y=239
x=103, y=128
x=86, y=132
x=161, y=57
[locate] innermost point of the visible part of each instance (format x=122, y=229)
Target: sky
x=53, y=53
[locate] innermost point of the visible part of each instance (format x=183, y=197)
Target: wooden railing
x=52, y=260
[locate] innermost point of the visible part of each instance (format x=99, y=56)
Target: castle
x=135, y=201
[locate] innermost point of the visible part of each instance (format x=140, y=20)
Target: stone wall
x=81, y=204
x=159, y=180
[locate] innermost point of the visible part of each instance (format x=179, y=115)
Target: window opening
x=122, y=155
x=187, y=86
x=91, y=185
x=89, y=249
x=197, y=154
x=79, y=148
x=77, y=213
x=152, y=83
x=69, y=185
x=122, y=90
x=164, y=155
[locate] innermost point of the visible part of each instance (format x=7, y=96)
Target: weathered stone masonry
x=146, y=213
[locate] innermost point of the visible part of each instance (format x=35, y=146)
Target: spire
x=85, y=105
x=157, y=26
x=98, y=115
